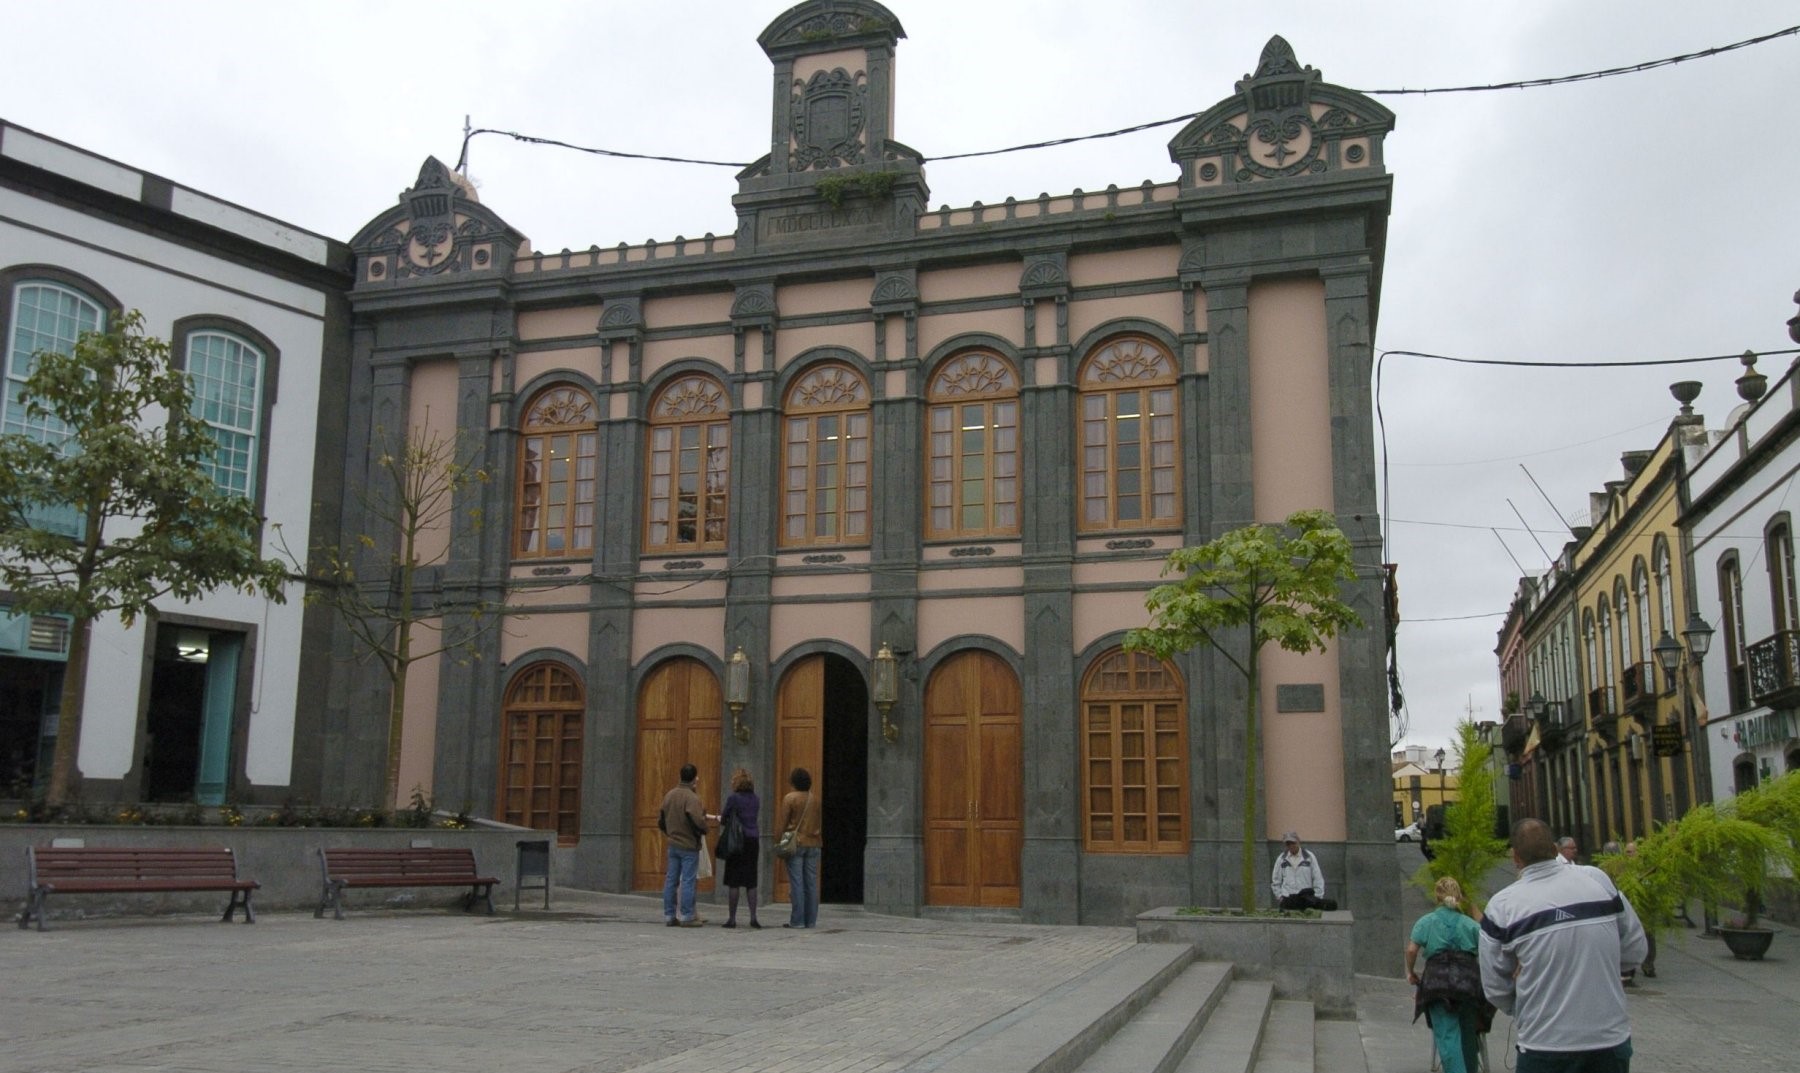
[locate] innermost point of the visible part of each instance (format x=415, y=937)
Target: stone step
x=1057, y=1031
x=1158, y=1037
x=1229, y=1041
x=1338, y=1047
x=1287, y=1039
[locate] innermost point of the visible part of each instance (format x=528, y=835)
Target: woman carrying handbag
x=801, y=841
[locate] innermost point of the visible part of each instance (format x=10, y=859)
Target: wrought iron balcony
x=1514, y=733
x=1775, y=670
x=1639, y=682
x=1602, y=703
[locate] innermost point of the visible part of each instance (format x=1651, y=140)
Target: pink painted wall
x=1124, y=266
x=999, y=617
x=558, y=323
x=791, y=342
x=567, y=632
x=654, y=627
x=793, y=624
x=713, y=348
x=1290, y=404
x=1008, y=324
x=1084, y=317
x=688, y=309
x=1100, y=613
x=418, y=733
x=835, y=296
x=531, y=364
x=1290, y=434
x=948, y=284
x=433, y=412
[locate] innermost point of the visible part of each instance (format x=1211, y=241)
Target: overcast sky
x=1647, y=216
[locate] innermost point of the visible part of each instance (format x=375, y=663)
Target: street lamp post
x=1668, y=652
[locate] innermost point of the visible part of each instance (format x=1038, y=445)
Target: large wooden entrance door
x=974, y=783
x=799, y=742
x=680, y=720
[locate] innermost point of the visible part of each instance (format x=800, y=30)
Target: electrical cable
x=1526, y=83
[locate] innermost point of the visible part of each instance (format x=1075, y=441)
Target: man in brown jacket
x=683, y=823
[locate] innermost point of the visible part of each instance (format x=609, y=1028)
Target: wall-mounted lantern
x=737, y=692
x=884, y=679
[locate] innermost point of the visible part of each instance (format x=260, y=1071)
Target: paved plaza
x=598, y=984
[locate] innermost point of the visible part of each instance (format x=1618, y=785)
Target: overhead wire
x=1525, y=83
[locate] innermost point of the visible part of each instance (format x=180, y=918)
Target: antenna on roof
x=1546, y=495
x=1522, y=571
x=462, y=165
x=1549, y=558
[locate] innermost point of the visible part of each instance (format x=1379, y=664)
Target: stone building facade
x=966, y=436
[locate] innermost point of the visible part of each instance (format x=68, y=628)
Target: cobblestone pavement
x=598, y=984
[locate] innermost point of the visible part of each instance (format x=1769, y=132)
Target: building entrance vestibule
x=188, y=717
x=822, y=725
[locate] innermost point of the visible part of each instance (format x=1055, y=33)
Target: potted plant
x=1773, y=807
x=1714, y=854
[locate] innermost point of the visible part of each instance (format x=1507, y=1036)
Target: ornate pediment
x=1285, y=122
x=438, y=228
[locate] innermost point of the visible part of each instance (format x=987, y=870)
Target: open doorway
x=188, y=719
x=822, y=725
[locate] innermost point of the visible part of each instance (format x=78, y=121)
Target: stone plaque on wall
x=1307, y=697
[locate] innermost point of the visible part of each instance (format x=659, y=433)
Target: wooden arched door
x=680, y=721
x=540, y=752
x=974, y=782
x=799, y=742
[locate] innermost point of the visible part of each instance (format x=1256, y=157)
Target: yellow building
x=1630, y=592
x=1421, y=780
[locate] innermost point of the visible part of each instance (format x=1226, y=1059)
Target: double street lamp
x=1668, y=652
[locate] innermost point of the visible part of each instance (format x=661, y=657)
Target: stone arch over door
x=973, y=767
x=680, y=720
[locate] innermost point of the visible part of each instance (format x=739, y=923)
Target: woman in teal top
x=1449, y=991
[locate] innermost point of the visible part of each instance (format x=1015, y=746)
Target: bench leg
x=480, y=890
x=332, y=897
x=239, y=898
x=35, y=907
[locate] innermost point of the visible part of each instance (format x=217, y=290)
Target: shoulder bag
x=790, y=838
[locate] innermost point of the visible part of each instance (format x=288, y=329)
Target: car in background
x=1409, y=833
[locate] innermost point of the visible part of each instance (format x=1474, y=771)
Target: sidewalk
x=1705, y=1012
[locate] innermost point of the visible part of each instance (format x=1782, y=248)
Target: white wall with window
x=1741, y=524
x=244, y=302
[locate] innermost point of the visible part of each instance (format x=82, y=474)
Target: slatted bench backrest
x=115, y=864
x=355, y=864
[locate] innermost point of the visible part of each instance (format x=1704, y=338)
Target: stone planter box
x=1304, y=958
x=285, y=860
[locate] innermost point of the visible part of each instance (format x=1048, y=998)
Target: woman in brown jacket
x=800, y=814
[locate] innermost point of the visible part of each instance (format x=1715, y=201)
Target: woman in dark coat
x=740, y=867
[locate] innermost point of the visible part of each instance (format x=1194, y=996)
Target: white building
x=1740, y=526
x=202, y=700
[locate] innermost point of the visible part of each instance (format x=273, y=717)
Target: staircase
x=1154, y=1009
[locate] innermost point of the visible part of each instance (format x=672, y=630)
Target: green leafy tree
x=1468, y=849
x=1251, y=586
x=109, y=432
x=415, y=494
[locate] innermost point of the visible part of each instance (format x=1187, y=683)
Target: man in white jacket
x=1297, y=881
x=1552, y=947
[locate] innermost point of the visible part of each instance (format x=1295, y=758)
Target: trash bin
x=534, y=869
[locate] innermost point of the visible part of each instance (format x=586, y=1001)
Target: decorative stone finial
x=1752, y=384
x=1685, y=392
x=1794, y=321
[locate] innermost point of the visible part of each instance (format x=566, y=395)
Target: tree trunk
x=397, y=714
x=1250, y=766
x=63, y=772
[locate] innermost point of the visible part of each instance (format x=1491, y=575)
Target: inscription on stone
x=799, y=223
x=1306, y=697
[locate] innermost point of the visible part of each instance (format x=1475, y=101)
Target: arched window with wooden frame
x=689, y=461
x=1640, y=606
x=1731, y=623
x=1609, y=680
x=1622, y=606
x=1130, y=433
x=540, y=751
x=825, y=458
x=45, y=315
x=558, y=466
x=1665, y=587
x=1780, y=541
x=1133, y=755
x=972, y=435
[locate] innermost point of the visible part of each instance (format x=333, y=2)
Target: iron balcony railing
x=1602, y=703
x=1639, y=685
x=1775, y=669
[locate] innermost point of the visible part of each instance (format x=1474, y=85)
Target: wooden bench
x=416, y=867
x=124, y=870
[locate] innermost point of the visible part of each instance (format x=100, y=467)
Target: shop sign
x=1773, y=728
x=1665, y=739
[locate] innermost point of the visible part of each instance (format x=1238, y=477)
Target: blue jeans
x=803, y=887
x=1609, y=1060
x=681, y=874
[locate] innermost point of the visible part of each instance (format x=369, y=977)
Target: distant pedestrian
x=1553, y=944
x=682, y=821
x=1297, y=881
x=1449, y=987
x=800, y=814
x=1568, y=849
x=742, y=807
